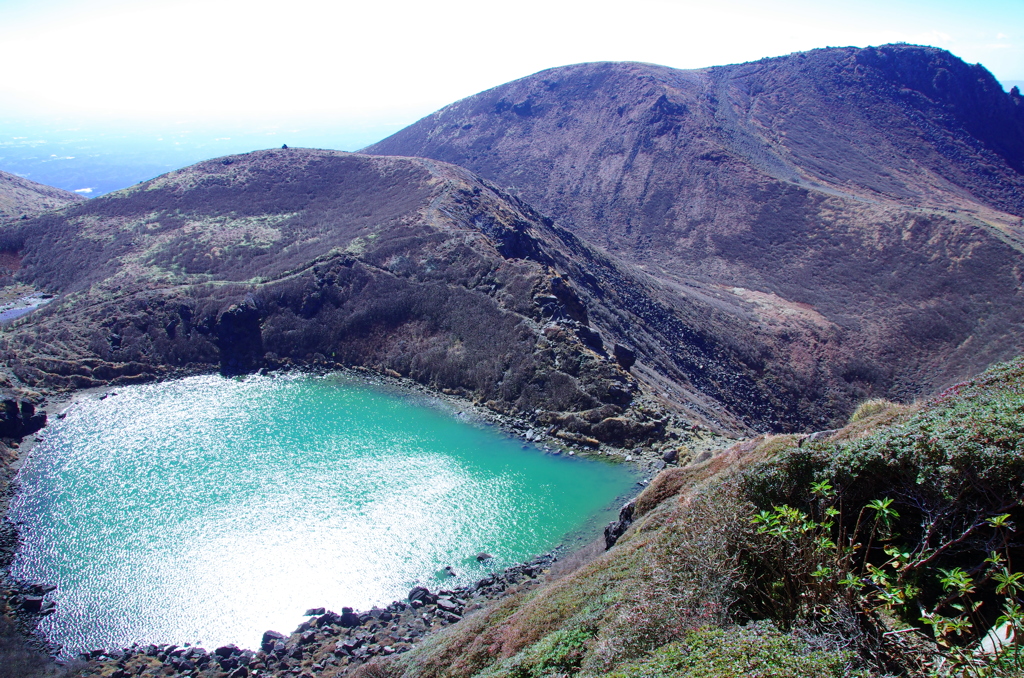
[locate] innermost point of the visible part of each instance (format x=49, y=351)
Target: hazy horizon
x=108, y=92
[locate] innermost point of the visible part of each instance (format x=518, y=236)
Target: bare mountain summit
x=860, y=207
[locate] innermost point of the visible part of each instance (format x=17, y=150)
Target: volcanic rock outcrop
x=412, y=267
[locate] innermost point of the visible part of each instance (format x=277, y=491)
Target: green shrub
x=558, y=653
x=910, y=527
x=752, y=651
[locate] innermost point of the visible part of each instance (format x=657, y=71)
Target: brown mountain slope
x=20, y=196
x=863, y=204
x=302, y=257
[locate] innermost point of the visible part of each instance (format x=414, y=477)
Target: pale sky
x=391, y=62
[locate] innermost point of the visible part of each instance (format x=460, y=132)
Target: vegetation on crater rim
x=890, y=548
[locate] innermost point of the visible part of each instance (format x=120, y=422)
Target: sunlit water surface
x=208, y=510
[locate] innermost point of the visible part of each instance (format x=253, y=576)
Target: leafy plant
x=930, y=555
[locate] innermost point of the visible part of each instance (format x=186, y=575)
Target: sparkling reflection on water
x=208, y=510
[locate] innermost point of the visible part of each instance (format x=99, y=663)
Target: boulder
x=422, y=594
x=448, y=605
x=591, y=338
x=617, y=528
x=624, y=356
x=327, y=618
x=269, y=639
x=348, y=618
x=314, y=612
x=32, y=603
x=818, y=435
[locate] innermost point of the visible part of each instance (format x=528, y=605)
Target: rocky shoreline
x=329, y=640
x=328, y=643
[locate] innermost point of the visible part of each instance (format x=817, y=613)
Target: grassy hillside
x=889, y=547
x=21, y=197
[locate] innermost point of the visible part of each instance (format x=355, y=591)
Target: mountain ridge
x=320, y=258
x=20, y=196
x=868, y=187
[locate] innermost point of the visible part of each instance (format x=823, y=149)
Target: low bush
x=752, y=651
x=907, y=529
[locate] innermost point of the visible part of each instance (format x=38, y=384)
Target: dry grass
x=376, y=668
x=872, y=414
x=577, y=559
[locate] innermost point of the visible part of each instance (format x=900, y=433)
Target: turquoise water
x=208, y=510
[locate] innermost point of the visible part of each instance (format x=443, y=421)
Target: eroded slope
x=863, y=204
x=407, y=266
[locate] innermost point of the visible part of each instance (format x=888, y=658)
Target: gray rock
x=32, y=603
x=818, y=435
x=448, y=605
x=349, y=618
x=421, y=593
x=269, y=640
x=617, y=528
x=624, y=356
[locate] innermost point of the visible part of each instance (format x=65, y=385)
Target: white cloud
x=83, y=190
